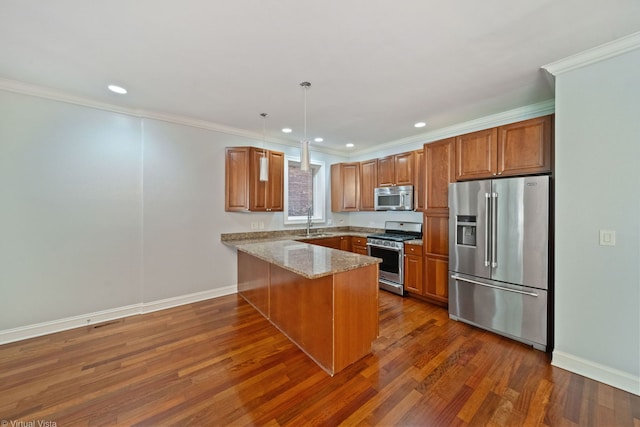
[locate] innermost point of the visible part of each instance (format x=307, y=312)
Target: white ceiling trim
x=510, y=116
x=515, y=115
x=596, y=54
x=56, y=95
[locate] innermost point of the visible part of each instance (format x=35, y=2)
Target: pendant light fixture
x=304, y=144
x=264, y=162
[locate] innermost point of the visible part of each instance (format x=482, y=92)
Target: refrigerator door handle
x=494, y=230
x=487, y=247
x=475, y=282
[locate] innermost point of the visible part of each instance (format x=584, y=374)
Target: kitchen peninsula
x=324, y=300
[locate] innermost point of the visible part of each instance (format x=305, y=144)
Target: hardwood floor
x=219, y=362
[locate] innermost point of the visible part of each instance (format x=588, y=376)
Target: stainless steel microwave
x=398, y=198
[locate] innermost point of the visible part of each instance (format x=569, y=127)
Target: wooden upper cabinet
x=243, y=189
x=345, y=187
x=258, y=200
x=525, y=147
x=419, y=178
x=404, y=168
x=386, y=171
x=519, y=148
x=439, y=168
x=396, y=170
x=236, y=177
x=476, y=155
x=368, y=182
x=276, y=181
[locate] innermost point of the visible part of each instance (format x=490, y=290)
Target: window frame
x=319, y=193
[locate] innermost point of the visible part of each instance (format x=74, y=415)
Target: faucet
x=309, y=223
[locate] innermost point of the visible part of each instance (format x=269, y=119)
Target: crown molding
x=522, y=113
x=510, y=116
x=57, y=95
x=596, y=54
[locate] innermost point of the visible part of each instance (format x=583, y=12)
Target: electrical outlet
x=261, y=225
x=254, y=225
x=607, y=237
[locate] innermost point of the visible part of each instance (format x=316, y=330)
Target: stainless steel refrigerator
x=499, y=256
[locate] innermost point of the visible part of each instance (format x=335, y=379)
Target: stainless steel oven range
x=389, y=246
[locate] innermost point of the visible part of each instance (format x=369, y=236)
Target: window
x=303, y=190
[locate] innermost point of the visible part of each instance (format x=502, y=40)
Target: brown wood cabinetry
x=334, y=318
x=236, y=164
x=368, y=182
x=396, y=170
x=243, y=189
x=419, y=178
x=436, y=278
x=476, y=155
x=327, y=242
x=345, y=187
x=439, y=172
x=436, y=234
x=436, y=257
x=359, y=245
x=439, y=159
x=413, y=268
x=516, y=149
x=525, y=147
x=345, y=243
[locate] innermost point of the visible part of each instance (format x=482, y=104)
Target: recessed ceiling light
x=318, y=140
x=286, y=130
x=420, y=124
x=117, y=89
x=349, y=145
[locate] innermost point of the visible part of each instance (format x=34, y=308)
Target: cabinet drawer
x=410, y=249
x=359, y=241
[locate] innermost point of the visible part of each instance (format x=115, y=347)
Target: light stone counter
x=307, y=260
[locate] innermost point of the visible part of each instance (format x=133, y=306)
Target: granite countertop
x=414, y=242
x=310, y=261
x=285, y=249
x=235, y=239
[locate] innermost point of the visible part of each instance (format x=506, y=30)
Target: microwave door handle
x=401, y=199
x=487, y=248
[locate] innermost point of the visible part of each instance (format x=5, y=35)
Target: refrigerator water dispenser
x=466, y=230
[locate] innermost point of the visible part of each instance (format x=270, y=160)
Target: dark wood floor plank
x=219, y=362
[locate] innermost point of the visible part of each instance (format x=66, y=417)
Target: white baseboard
x=45, y=328
x=148, y=307
x=605, y=374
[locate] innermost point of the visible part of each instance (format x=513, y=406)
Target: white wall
x=597, y=325
x=106, y=214
x=70, y=215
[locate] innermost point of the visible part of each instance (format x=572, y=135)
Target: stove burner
x=394, y=237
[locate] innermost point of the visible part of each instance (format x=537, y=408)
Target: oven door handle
x=373, y=245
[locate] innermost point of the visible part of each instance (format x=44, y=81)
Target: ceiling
x=376, y=67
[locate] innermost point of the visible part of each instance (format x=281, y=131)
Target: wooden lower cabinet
x=253, y=283
x=327, y=242
x=434, y=266
x=333, y=319
x=436, y=278
x=359, y=245
x=345, y=243
x=413, y=268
